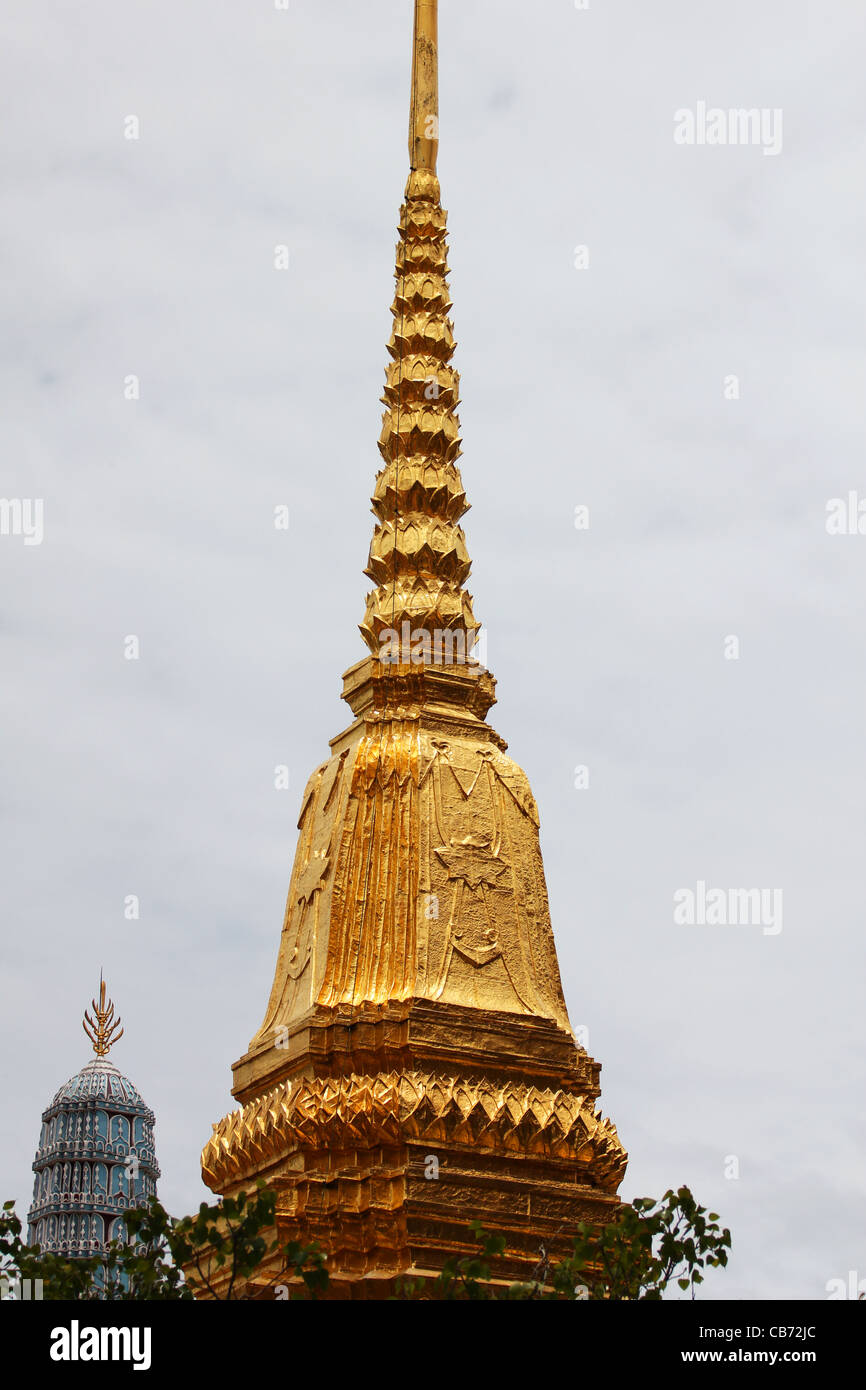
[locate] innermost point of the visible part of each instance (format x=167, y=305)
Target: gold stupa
x=416, y=1068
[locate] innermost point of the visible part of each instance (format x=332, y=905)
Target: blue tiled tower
x=96, y=1155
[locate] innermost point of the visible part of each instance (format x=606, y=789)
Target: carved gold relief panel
x=417, y=874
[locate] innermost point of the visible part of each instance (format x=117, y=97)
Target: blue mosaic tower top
x=96, y=1156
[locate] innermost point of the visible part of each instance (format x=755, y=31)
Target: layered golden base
x=384, y=1135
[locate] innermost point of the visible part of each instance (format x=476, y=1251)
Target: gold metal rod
x=424, y=105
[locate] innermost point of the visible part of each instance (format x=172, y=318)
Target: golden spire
x=417, y=1002
x=103, y=1033
x=418, y=557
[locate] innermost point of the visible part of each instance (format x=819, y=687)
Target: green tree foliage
x=466, y=1278
x=647, y=1247
x=220, y=1248
x=66, y=1279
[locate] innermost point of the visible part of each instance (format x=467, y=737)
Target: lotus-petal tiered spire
x=418, y=557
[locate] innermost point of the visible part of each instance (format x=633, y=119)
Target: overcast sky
x=604, y=387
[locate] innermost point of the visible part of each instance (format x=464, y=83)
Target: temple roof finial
x=418, y=559
x=424, y=106
x=104, y=1031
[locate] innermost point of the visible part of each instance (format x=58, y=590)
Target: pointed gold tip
x=424, y=105
x=103, y=1029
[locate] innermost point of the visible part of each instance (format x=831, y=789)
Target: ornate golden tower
x=416, y=1068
